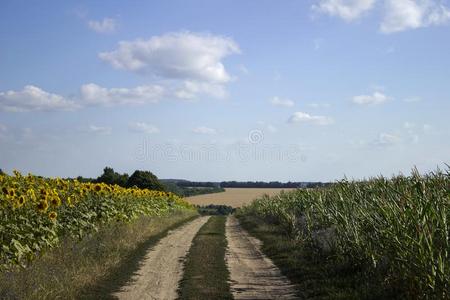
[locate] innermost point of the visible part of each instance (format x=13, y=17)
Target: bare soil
x=235, y=197
x=162, y=267
x=253, y=275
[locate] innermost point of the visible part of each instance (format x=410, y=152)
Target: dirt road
x=252, y=274
x=162, y=267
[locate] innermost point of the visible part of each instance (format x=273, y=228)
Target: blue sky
x=225, y=90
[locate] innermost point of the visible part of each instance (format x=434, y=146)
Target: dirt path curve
x=162, y=267
x=252, y=274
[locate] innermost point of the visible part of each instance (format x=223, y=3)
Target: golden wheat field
x=235, y=197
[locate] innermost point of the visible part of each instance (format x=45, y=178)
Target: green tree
x=145, y=180
x=109, y=176
x=173, y=188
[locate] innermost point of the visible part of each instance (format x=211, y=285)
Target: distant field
x=235, y=197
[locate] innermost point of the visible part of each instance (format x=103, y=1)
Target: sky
x=304, y=90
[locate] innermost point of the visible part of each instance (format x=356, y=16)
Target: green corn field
x=398, y=227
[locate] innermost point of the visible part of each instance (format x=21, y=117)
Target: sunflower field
x=36, y=212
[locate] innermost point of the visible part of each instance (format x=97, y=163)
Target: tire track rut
x=253, y=275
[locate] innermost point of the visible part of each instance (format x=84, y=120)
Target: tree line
x=250, y=184
x=148, y=180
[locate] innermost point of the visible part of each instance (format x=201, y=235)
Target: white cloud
x=402, y=15
x=191, y=89
x=204, y=130
x=386, y=139
x=277, y=101
x=398, y=15
x=374, y=99
x=301, y=117
x=100, y=129
x=33, y=98
x=93, y=94
x=142, y=127
x=182, y=55
x=348, y=10
x=107, y=25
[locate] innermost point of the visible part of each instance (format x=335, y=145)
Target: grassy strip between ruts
x=94, y=267
x=205, y=272
x=317, y=276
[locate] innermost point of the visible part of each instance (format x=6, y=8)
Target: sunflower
x=42, y=206
x=12, y=192
x=52, y=215
x=55, y=201
x=97, y=188
x=5, y=190
x=20, y=201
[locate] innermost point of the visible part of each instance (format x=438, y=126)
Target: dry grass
x=235, y=197
x=93, y=267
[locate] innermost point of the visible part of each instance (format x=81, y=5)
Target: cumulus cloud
x=348, y=10
x=100, y=129
x=401, y=15
x=301, y=117
x=107, y=25
x=182, y=55
x=398, y=15
x=93, y=94
x=277, y=101
x=374, y=99
x=204, y=130
x=141, y=127
x=33, y=98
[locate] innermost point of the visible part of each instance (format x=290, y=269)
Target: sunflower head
x=21, y=201
x=97, y=188
x=55, y=201
x=12, y=192
x=5, y=190
x=42, y=206
x=52, y=215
